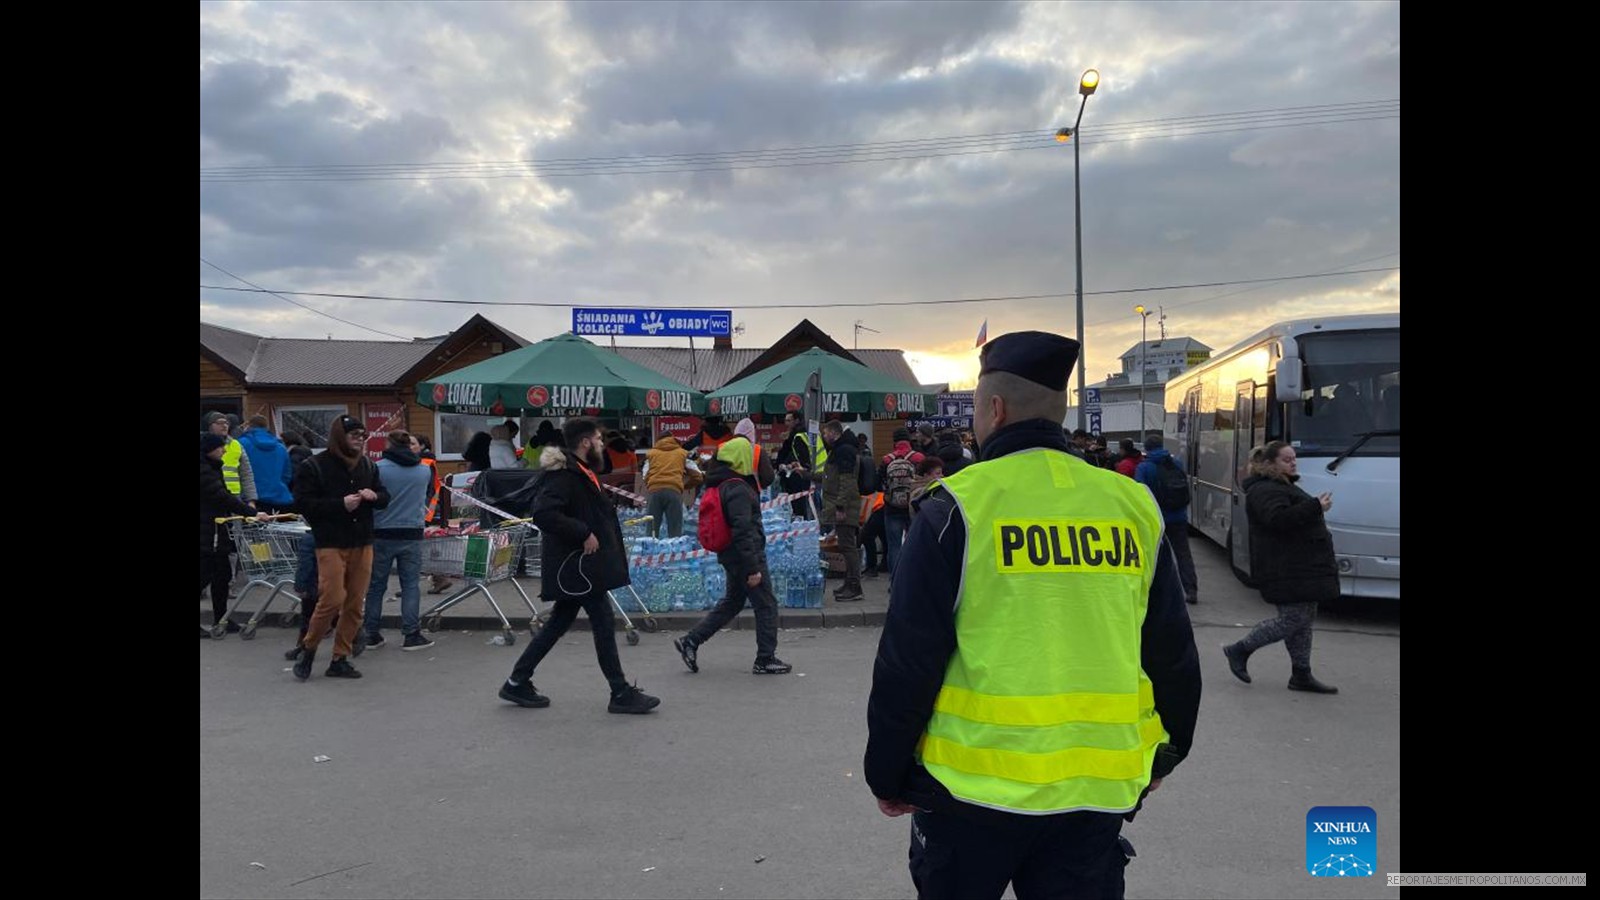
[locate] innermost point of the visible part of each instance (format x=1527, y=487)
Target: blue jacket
x=1147, y=475
x=269, y=459
x=919, y=636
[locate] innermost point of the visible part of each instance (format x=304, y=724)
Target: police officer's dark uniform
x=1037, y=667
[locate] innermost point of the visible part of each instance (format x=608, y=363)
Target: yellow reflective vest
x=818, y=450
x=1045, y=707
x=230, y=466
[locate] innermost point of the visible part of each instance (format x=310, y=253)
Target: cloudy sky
x=740, y=155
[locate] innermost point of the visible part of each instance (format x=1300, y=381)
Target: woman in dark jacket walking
x=1291, y=558
x=477, y=452
x=215, y=501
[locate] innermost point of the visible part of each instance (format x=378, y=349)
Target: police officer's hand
x=590, y=544
x=754, y=579
x=892, y=808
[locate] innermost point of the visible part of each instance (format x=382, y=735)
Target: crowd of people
x=1004, y=663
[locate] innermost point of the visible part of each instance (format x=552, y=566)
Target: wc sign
x=653, y=322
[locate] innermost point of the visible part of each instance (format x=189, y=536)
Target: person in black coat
x=1291, y=559
x=216, y=501
x=476, y=453
x=584, y=558
x=745, y=564
x=337, y=491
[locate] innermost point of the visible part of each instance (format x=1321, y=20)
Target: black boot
x=1237, y=657
x=1301, y=680
x=302, y=666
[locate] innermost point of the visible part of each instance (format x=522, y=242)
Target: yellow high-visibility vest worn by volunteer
x=230, y=466
x=1045, y=707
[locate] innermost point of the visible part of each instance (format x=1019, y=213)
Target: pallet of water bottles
x=677, y=574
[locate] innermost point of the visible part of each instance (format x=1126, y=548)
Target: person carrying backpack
x=1169, y=484
x=730, y=526
x=899, y=478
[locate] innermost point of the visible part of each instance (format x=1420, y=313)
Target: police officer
x=1037, y=674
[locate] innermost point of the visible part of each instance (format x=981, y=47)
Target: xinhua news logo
x=1341, y=841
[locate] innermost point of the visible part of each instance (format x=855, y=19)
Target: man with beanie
x=269, y=465
x=216, y=501
x=338, y=491
x=1148, y=472
x=237, y=472
x=584, y=558
x=745, y=562
x=397, y=541
x=841, y=504
x=1036, y=676
x=898, y=475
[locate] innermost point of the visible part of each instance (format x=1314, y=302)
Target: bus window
x=1352, y=386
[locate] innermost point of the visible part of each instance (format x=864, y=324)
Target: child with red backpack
x=730, y=526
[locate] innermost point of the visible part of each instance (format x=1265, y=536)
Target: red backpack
x=715, y=535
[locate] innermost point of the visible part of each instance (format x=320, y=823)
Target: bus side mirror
x=1288, y=380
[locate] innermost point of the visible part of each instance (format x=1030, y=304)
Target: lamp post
x=1144, y=323
x=1086, y=86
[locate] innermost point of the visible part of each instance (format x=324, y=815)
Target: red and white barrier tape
x=463, y=495
x=661, y=559
x=774, y=503
x=637, y=500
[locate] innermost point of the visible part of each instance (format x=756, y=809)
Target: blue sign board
x=653, y=322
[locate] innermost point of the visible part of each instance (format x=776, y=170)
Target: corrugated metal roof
x=238, y=348
x=715, y=368
x=297, y=361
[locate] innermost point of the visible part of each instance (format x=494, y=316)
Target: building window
x=452, y=431
x=312, y=422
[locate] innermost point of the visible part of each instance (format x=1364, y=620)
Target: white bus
x=1331, y=388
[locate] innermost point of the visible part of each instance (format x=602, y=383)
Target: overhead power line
x=566, y=304
x=837, y=154
x=257, y=289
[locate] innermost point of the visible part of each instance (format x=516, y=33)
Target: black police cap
x=1039, y=356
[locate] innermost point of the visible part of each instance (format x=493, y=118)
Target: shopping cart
x=635, y=528
x=480, y=558
x=268, y=553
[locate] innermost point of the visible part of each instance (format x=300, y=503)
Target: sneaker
x=302, y=666
x=341, y=668
x=773, y=666
x=686, y=649
x=231, y=628
x=871, y=572
x=631, y=700
x=849, y=598
x=415, y=641
x=358, y=644
x=205, y=634
x=292, y=655
x=524, y=695
x=374, y=641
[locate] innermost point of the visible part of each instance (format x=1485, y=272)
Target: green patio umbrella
x=847, y=388
x=560, y=376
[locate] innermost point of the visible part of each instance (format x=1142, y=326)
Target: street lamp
x=1086, y=86
x=1144, y=322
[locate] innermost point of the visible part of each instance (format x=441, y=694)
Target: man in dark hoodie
x=338, y=491
x=216, y=501
x=397, y=542
x=584, y=558
x=1148, y=472
x=745, y=562
x=841, y=504
x=948, y=448
x=712, y=435
x=1036, y=677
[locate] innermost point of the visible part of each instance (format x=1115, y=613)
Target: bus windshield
x=1352, y=387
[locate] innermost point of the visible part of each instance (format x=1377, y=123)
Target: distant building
x=1152, y=364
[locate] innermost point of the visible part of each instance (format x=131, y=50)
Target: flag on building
x=983, y=334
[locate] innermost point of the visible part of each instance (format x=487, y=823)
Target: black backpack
x=866, y=475
x=1171, y=487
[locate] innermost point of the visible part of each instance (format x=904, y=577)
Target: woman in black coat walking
x=1291, y=558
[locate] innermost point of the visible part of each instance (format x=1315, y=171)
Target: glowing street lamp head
x=1089, y=81
x=1063, y=135
x=1140, y=310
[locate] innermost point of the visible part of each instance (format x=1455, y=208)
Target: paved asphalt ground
x=739, y=785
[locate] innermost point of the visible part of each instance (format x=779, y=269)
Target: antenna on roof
x=1162, y=321
x=860, y=328
x=738, y=329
